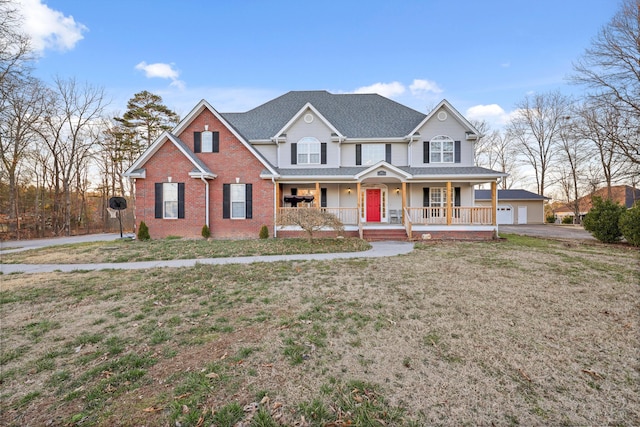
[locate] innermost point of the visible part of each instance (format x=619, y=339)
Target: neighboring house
x=624, y=195
x=374, y=163
x=515, y=206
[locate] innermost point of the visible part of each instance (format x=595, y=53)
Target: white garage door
x=505, y=214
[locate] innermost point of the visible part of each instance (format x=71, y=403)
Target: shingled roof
x=353, y=115
x=510, y=195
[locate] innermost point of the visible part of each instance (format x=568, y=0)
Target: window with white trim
x=373, y=153
x=441, y=149
x=438, y=197
x=238, y=201
x=308, y=151
x=170, y=200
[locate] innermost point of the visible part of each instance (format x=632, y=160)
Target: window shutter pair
x=159, y=202
x=226, y=201
x=294, y=153
x=426, y=199
x=426, y=147
x=197, y=142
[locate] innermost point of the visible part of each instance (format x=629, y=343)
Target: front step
x=378, y=234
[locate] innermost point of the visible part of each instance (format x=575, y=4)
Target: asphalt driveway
x=554, y=231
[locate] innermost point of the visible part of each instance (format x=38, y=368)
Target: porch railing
x=473, y=215
x=460, y=215
x=348, y=216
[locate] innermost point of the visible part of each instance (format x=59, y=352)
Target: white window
x=170, y=199
x=373, y=153
x=441, y=149
x=438, y=197
x=238, y=201
x=207, y=142
x=308, y=151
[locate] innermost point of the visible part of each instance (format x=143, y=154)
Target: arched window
x=308, y=151
x=441, y=149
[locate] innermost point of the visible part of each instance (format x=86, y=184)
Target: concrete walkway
x=378, y=249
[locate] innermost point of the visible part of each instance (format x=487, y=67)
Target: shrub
x=311, y=220
x=629, y=224
x=143, y=232
x=567, y=219
x=551, y=218
x=264, y=232
x=602, y=220
x=206, y=233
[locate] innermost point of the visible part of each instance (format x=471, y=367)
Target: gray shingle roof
x=510, y=195
x=353, y=115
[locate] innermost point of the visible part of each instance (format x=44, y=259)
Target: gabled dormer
x=443, y=138
x=308, y=139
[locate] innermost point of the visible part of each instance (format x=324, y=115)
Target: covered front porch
x=396, y=210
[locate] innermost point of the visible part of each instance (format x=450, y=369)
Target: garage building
x=515, y=206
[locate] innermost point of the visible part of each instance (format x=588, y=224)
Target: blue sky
x=483, y=56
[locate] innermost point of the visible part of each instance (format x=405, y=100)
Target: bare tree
x=611, y=71
x=535, y=127
x=15, y=47
x=70, y=137
x=573, y=158
x=23, y=104
x=602, y=126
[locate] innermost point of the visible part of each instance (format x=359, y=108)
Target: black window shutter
x=294, y=191
x=158, y=200
x=197, y=142
x=323, y=197
x=456, y=151
x=425, y=155
x=456, y=198
x=294, y=153
x=248, y=195
x=358, y=154
x=323, y=153
x=181, y=200
x=387, y=153
x=226, y=201
x=216, y=142
x=425, y=197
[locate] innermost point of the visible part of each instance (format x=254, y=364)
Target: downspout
x=206, y=200
x=275, y=207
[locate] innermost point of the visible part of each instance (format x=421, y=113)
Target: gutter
x=206, y=200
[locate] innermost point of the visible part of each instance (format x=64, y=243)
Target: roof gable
x=298, y=115
x=201, y=169
x=455, y=113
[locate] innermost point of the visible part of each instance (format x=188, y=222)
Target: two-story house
x=372, y=162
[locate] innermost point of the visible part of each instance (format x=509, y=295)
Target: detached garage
x=515, y=206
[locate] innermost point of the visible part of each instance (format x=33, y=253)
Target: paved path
x=553, y=231
x=378, y=249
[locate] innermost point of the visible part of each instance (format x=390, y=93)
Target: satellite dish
x=118, y=203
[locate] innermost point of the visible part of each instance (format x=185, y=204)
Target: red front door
x=373, y=205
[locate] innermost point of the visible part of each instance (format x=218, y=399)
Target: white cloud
x=162, y=71
x=421, y=87
x=492, y=114
x=388, y=90
x=48, y=28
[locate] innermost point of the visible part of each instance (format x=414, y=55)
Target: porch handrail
x=460, y=215
x=348, y=216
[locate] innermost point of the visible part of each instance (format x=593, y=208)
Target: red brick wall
x=233, y=161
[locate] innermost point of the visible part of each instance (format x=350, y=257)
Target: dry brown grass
x=527, y=331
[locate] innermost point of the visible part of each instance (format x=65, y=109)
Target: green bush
x=264, y=232
x=602, y=220
x=551, y=218
x=206, y=233
x=629, y=224
x=567, y=219
x=143, y=232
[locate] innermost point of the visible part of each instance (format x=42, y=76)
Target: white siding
x=450, y=127
x=269, y=152
x=300, y=129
